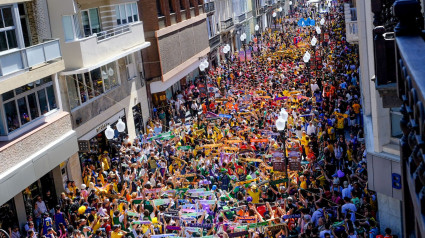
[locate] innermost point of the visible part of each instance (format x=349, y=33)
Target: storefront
x=8, y=216
x=139, y=124
x=95, y=142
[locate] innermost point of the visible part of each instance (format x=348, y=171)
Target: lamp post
x=281, y=128
x=280, y=15
x=313, y=44
x=257, y=28
x=243, y=38
x=306, y=59
x=274, y=17
x=202, y=66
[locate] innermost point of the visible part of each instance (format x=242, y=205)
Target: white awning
x=107, y=61
x=160, y=86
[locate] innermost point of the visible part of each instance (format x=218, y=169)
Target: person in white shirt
x=349, y=207
x=311, y=129
x=41, y=205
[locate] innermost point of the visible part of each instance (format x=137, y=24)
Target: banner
x=162, y=235
x=241, y=56
x=174, y=228
x=187, y=147
x=248, y=55
x=260, y=224
x=291, y=216
x=225, y=116
x=209, y=202
x=246, y=218
x=252, y=160
x=159, y=202
x=206, y=225
x=259, y=140
x=280, y=98
x=141, y=222
x=236, y=234
x=154, y=190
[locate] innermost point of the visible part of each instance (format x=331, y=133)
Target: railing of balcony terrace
x=26, y=58
x=209, y=7
x=214, y=41
x=410, y=60
x=242, y=17
x=227, y=24
x=104, y=35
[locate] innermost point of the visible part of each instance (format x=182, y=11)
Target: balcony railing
x=242, y=17
x=209, y=7
x=214, y=41
x=104, y=35
x=23, y=59
x=410, y=60
x=227, y=24
x=351, y=24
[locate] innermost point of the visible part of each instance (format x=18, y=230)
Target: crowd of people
x=224, y=170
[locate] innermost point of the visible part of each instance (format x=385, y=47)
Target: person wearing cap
x=47, y=223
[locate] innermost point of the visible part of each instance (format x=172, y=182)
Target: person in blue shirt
x=47, y=223
x=59, y=217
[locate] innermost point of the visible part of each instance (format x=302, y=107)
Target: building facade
x=177, y=30
x=36, y=134
x=373, y=29
x=103, y=80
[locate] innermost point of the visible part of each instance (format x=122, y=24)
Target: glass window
x=135, y=12
x=32, y=102
x=7, y=29
x=3, y=41
x=94, y=20
x=86, y=89
x=24, y=88
x=105, y=78
x=395, y=117
x=86, y=23
x=42, y=100
x=23, y=111
x=129, y=12
x=68, y=28
x=51, y=97
x=11, y=116
x=8, y=95
x=113, y=74
x=170, y=4
x=97, y=82
x=159, y=8
x=117, y=14
x=123, y=15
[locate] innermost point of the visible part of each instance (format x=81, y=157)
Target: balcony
x=241, y=17
x=89, y=51
x=214, y=41
x=410, y=73
x=351, y=28
x=209, y=7
x=30, y=57
x=227, y=24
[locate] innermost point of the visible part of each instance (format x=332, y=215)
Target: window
x=24, y=24
x=27, y=103
x=131, y=72
x=126, y=13
x=7, y=30
x=182, y=4
x=91, y=24
x=68, y=28
x=395, y=117
x=83, y=87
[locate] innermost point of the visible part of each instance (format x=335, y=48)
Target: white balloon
x=120, y=125
x=109, y=133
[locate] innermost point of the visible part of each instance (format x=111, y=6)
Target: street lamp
x=202, y=66
x=313, y=44
x=280, y=15
x=306, y=59
x=281, y=126
x=243, y=38
x=274, y=17
x=257, y=28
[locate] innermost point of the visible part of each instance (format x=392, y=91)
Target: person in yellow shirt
x=254, y=192
x=104, y=160
x=117, y=232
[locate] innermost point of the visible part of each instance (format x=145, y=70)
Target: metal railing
x=214, y=41
x=209, y=7
x=23, y=59
x=104, y=35
x=242, y=17
x=227, y=24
